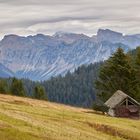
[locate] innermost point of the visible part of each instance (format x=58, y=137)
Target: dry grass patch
x=40, y=120
x=111, y=131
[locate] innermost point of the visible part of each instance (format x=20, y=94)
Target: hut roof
x=117, y=98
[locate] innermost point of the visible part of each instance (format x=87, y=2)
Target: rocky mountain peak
x=109, y=35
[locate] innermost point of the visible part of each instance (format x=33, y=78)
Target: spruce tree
x=137, y=63
x=116, y=74
x=17, y=87
x=3, y=87
x=39, y=93
x=137, y=66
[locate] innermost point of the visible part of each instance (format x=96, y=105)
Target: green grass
x=27, y=119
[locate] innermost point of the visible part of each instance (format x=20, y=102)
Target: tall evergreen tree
x=117, y=74
x=137, y=63
x=3, y=86
x=39, y=92
x=17, y=87
x=137, y=66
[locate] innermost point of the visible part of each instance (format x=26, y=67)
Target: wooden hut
x=122, y=105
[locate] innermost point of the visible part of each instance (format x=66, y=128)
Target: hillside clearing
x=28, y=119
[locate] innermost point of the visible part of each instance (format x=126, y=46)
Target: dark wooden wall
x=123, y=111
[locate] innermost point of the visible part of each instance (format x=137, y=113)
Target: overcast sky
x=24, y=17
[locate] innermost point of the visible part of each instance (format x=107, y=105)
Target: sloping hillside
x=5, y=72
x=27, y=119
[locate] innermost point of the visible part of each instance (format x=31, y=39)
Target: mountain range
x=41, y=57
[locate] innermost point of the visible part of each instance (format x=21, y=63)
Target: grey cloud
x=41, y=2
x=33, y=16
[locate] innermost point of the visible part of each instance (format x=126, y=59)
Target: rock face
x=5, y=72
x=108, y=35
x=41, y=56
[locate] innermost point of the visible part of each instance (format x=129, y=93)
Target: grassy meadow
x=28, y=119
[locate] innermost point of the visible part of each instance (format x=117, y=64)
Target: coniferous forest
x=75, y=88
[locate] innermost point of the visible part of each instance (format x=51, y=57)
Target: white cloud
x=25, y=17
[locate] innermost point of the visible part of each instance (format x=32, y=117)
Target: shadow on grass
x=110, y=130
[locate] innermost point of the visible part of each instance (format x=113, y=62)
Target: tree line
x=17, y=87
x=76, y=89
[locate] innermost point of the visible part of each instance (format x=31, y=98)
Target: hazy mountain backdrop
x=40, y=57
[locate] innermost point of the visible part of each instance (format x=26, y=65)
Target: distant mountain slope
x=41, y=56
x=5, y=72
x=28, y=119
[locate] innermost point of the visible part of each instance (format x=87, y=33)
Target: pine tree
x=137, y=63
x=17, y=87
x=116, y=74
x=137, y=66
x=39, y=92
x=3, y=87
